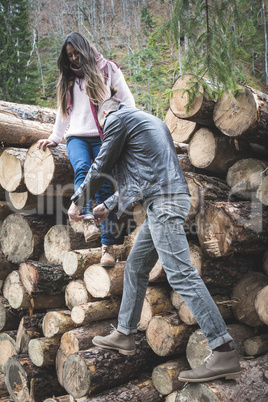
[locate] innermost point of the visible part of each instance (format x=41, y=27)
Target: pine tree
x=213, y=29
x=17, y=73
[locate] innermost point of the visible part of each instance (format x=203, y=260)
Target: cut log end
x=76, y=376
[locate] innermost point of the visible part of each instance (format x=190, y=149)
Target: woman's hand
x=74, y=211
x=45, y=143
x=100, y=213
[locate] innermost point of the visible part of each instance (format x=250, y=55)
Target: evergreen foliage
x=17, y=71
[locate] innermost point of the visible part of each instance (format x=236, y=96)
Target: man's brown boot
x=91, y=231
x=108, y=258
x=125, y=344
x=217, y=365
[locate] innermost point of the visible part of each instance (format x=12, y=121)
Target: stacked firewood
x=56, y=297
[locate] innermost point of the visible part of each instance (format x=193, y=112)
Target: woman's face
x=73, y=55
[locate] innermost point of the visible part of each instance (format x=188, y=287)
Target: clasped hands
x=100, y=213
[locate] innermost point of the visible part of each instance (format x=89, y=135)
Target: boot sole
x=93, y=237
x=228, y=376
x=122, y=351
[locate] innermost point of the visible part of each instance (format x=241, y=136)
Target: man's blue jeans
x=82, y=151
x=162, y=236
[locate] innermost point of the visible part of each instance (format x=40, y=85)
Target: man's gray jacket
x=138, y=149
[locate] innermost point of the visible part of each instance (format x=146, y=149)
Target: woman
x=85, y=81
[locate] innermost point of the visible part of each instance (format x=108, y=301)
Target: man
x=138, y=148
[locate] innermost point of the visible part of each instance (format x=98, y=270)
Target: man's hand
x=74, y=211
x=100, y=213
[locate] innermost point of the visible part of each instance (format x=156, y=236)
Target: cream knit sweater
x=80, y=121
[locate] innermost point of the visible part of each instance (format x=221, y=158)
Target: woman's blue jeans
x=82, y=151
x=162, y=236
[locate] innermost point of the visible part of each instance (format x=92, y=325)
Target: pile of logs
x=55, y=297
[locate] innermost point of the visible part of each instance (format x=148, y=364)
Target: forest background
x=153, y=41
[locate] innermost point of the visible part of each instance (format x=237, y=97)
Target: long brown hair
x=94, y=81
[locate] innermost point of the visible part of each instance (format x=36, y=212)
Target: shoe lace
x=207, y=359
x=106, y=249
x=112, y=328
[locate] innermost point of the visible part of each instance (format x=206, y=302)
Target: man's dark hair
x=109, y=105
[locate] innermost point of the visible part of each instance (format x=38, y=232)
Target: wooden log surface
x=245, y=176
x=156, y=301
x=165, y=375
x=180, y=130
x=39, y=277
x=251, y=386
x=84, y=372
x=105, y=282
x=42, y=351
x=9, y=317
x=48, y=171
x=262, y=191
x=230, y=111
x=75, y=262
x=27, y=382
x=201, y=110
x=62, y=238
x=95, y=311
x=138, y=390
x=227, y=227
x=22, y=237
x=12, y=169
x=244, y=294
x=214, y=152
x=167, y=336
x=30, y=327
x=7, y=348
x=57, y=322
x=23, y=125
x=76, y=293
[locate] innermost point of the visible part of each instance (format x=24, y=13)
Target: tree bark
x=42, y=351
x=156, y=301
x=76, y=293
x=165, y=376
x=244, y=294
x=138, y=390
x=23, y=125
x=6, y=267
x=7, y=348
x=214, y=152
x=84, y=372
x=167, y=336
x=204, y=188
x=79, y=339
x=9, y=318
x=57, y=322
x=27, y=382
x=180, y=130
x=75, y=262
x=95, y=311
x=48, y=171
x=11, y=169
x=228, y=227
x=61, y=239
x=105, y=282
x=244, y=177
x=258, y=345
x=201, y=110
x=30, y=327
x=230, y=111
x=40, y=277
x=22, y=237
x=251, y=385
